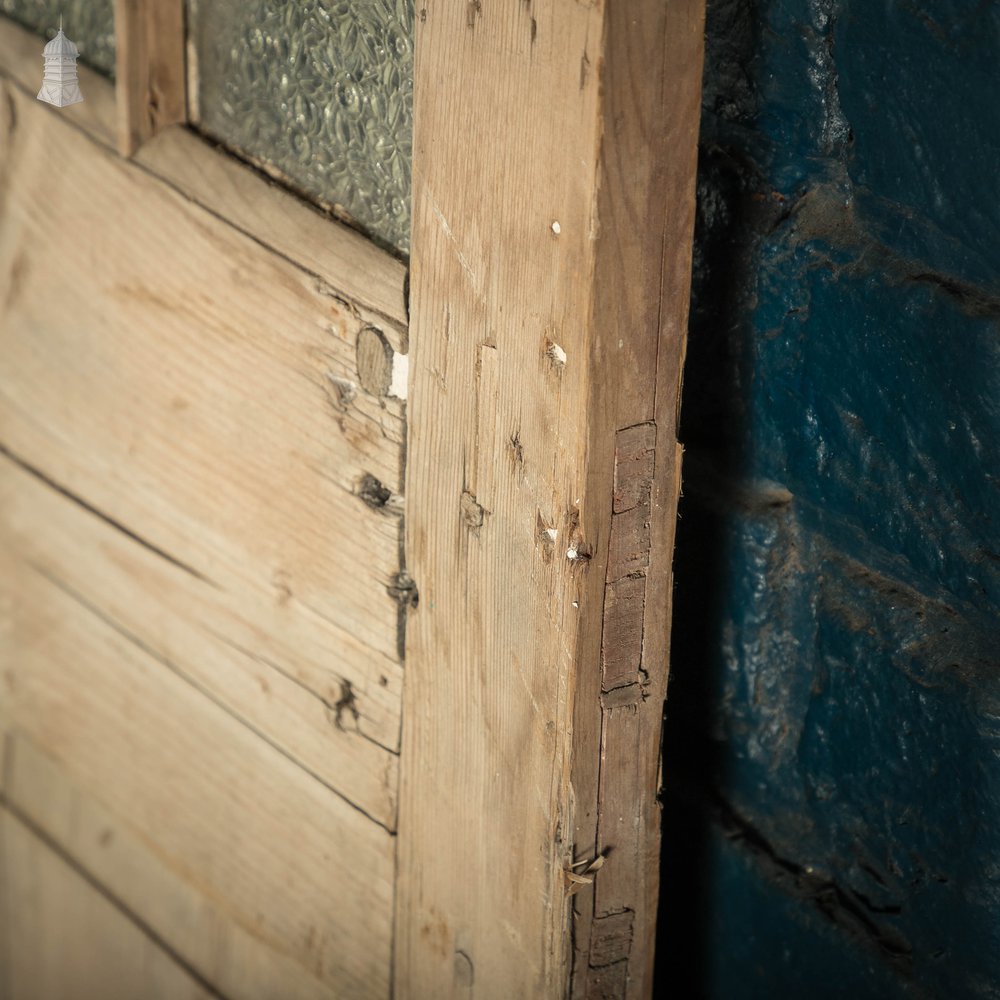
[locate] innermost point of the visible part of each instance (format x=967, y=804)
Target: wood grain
x=507, y=129
x=370, y=280
x=290, y=887
x=200, y=601
x=651, y=111
x=353, y=267
x=185, y=392
x=201, y=393
x=277, y=678
x=149, y=69
x=554, y=168
x=66, y=939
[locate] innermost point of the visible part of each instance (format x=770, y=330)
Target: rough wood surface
x=189, y=398
x=149, y=69
x=507, y=126
x=200, y=602
x=200, y=393
x=268, y=670
x=68, y=940
x=553, y=195
x=353, y=266
x=290, y=885
x=651, y=110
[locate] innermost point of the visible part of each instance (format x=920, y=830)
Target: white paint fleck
x=576, y=604
x=572, y=553
x=556, y=354
x=400, y=375
x=556, y=228
x=551, y=534
x=621, y=344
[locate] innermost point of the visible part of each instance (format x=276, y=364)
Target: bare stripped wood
x=199, y=929
x=201, y=393
x=65, y=939
x=505, y=152
x=554, y=169
x=294, y=884
x=350, y=266
x=234, y=650
x=353, y=266
x=149, y=67
x=651, y=109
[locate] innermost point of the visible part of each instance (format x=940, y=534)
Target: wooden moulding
x=554, y=170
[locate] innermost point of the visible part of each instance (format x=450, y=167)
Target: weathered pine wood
x=370, y=280
x=651, y=109
x=229, y=646
x=68, y=940
x=290, y=888
x=355, y=268
x=554, y=166
x=200, y=608
x=506, y=137
x=201, y=393
x=200, y=930
x=149, y=68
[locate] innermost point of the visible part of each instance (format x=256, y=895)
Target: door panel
x=200, y=669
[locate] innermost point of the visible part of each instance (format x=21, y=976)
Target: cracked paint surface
x=833, y=735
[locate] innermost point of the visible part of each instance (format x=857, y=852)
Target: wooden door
x=251, y=465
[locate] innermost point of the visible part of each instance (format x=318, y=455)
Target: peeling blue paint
x=832, y=809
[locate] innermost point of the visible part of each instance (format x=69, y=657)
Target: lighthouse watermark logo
x=60, y=85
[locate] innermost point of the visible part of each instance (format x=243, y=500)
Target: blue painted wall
x=832, y=809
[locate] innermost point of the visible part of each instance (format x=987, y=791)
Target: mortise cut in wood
x=652, y=69
x=628, y=561
x=611, y=939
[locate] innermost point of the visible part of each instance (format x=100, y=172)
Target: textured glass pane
x=322, y=90
x=89, y=23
